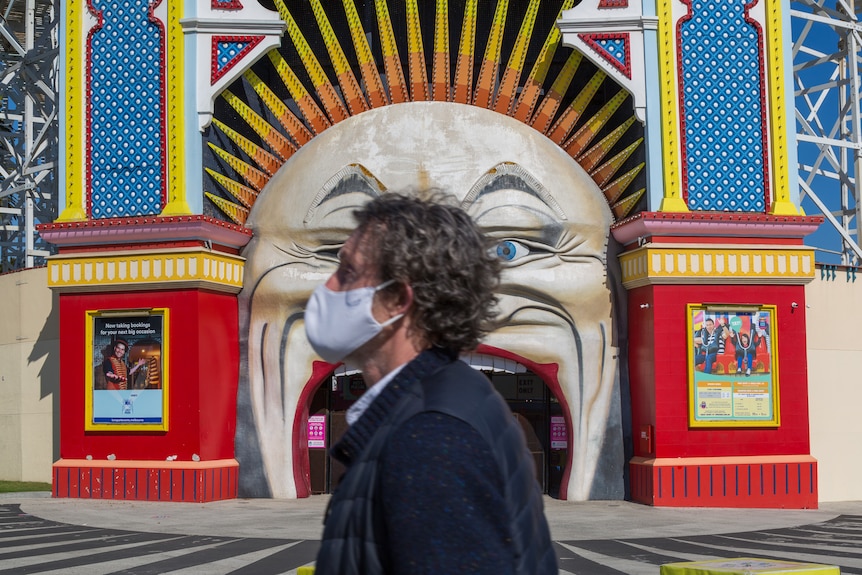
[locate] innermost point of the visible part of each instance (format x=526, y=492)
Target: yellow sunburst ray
x=273, y=138
x=466, y=51
x=440, y=65
x=515, y=67
x=607, y=170
x=536, y=80
x=416, y=55
x=346, y=80
x=622, y=208
x=391, y=60
x=373, y=84
x=573, y=112
x=244, y=194
x=295, y=128
x=266, y=161
x=235, y=212
x=618, y=187
x=491, y=59
x=591, y=158
x=558, y=115
x=325, y=90
x=554, y=98
x=585, y=134
x=246, y=171
x=315, y=117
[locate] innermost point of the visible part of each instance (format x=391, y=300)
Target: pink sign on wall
x=317, y=431
x=559, y=439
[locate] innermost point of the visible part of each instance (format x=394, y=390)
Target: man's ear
x=397, y=298
x=404, y=300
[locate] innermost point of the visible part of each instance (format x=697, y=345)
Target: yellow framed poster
x=732, y=366
x=127, y=367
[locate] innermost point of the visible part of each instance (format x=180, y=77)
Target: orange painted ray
x=515, y=67
x=491, y=59
x=622, y=208
x=585, y=134
x=309, y=108
x=554, y=98
x=440, y=66
x=391, y=60
x=350, y=89
x=463, y=89
x=247, y=172
x=273, y=138
x=295, y=128
x=266, y=161
x=244, y=194
x=416, y=55
x=325, y=90
x=373, y=84
x=573, y=112
x=606, y=171
x=591, y=158
x=532, y=88
x=616, y=188
x=234, y=211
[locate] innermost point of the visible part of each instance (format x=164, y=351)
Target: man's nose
x=333, y=283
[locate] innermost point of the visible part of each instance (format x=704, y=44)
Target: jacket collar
x=405, y=382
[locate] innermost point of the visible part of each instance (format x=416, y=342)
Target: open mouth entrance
x=531, y=401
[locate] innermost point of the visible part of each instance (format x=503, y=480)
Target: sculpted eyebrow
x=511, y=176
x=349, y=179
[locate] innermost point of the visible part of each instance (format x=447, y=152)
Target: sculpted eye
x=509, y=250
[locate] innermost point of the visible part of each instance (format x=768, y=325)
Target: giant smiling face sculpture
x=551, y=222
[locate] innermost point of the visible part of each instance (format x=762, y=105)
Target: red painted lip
x=321, y=370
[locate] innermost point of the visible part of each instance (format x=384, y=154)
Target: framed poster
x=732, y=366
x=316, y=432
x=127, y=366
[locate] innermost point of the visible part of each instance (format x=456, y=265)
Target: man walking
x=439, y=478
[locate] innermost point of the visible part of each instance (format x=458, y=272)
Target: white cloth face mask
x=337, y=323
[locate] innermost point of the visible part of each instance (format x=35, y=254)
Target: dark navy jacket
x=439, y=480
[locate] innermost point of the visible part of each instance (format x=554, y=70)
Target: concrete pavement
x=302, y=518
x=276, y=537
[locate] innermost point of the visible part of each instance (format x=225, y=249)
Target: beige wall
x=29, y=375
x=834, y=387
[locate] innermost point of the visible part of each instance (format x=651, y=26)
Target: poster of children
x=731, y=366
x=127, y=370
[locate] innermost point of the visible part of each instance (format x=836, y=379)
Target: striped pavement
x=30, y=544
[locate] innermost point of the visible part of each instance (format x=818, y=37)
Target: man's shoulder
x=460, y=391
x=455, y=384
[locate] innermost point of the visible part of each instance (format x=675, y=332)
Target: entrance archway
x=532, y=402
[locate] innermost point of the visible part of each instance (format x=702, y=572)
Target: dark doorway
x=531, y=402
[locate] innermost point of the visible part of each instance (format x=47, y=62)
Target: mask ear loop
x=385, y=284
x=394, y=318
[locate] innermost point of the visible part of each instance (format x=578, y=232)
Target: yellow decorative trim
x=75, y=16
x=672, y=200
x=721, y=264
x=177, y=204
x=161, y=270
x=781, y=203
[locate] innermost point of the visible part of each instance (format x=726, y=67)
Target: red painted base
x=179, y=481
x=778, y=482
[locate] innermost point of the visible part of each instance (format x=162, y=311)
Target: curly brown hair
x=436, y=248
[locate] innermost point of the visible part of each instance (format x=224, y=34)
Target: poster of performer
x=732, y=366
x=126, y=379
